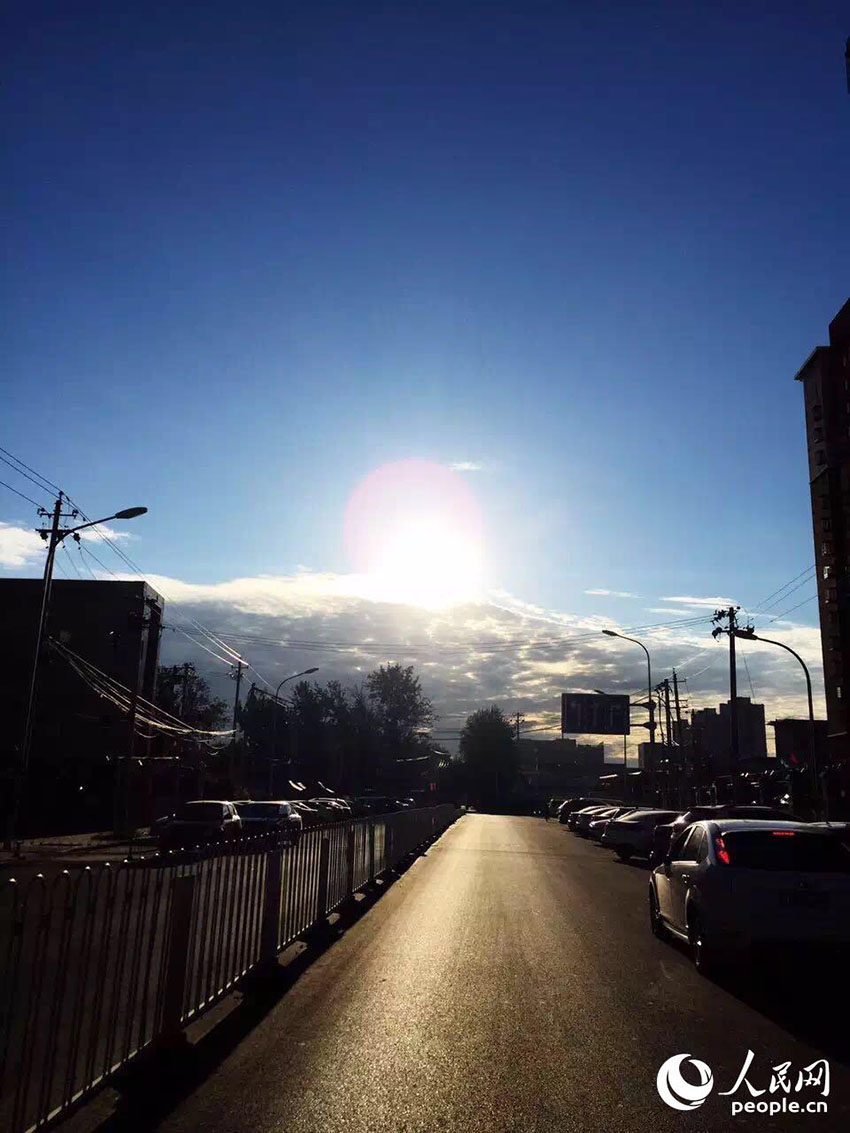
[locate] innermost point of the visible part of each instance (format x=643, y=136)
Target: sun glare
x=414, y=533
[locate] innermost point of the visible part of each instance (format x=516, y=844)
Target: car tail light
x=783, y=833
x=721, y=851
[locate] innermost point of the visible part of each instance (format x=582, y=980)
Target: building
x=77, y=734
x=826, y=393
x=711, y=731
x=559, y=767
x=794, y=741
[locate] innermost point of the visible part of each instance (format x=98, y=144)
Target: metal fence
x=100, y=964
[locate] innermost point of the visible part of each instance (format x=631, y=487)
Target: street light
x=54, y=536
x=649, y=701
x=748, y=635
x=294, y=676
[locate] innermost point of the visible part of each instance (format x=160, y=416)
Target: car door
x=684, y=861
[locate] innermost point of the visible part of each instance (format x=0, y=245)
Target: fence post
x=349, y=875
x=272, y=892
x=324, y=866
x=177, y=951
x=371, y=850
x=388, y=842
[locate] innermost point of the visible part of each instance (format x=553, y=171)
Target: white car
x=632, y=834
x=726, y=886
x=585, y=817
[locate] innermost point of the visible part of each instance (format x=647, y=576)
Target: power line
x=29, y=499
x=45, y=482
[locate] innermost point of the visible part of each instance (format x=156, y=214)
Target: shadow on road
x=153, y=1086
x=806, y=994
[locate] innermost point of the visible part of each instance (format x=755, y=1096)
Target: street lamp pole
x=813, y=755
x=294, y=676
x=54, y=536
x=649, y=702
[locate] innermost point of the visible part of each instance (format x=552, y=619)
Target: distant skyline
x=569, y=257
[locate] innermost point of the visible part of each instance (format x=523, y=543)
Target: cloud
x=500, y=650
x=602, y=593
x=91, y=534
x=698, y=603
x=466, y=466
x=19, y=546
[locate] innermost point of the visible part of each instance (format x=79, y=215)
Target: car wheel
x=624, y=853
x=656, y=921
x=705, y=957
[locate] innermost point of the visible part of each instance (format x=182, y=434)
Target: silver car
x=728, y=885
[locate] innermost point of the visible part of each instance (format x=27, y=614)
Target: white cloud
x=698, y=603
x=19, y=546
x=602, y=593
x=91, y=534
x=466, y=466
x=504, y=651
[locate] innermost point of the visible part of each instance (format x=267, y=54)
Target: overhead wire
x=23, y=495
x=51, y=487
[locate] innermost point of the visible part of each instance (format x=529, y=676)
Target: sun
x=414, y=532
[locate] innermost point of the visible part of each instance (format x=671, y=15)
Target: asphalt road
x=509, y=981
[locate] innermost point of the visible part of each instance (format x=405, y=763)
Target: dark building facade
x=826, y=391
x=559, y=767
x=711, y=730
x=77, y=734
x=794, y=740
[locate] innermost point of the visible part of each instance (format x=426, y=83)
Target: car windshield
x=796, y=851
x=199, y=812
x=258, y=810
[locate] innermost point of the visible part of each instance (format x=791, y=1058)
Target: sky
x=554, y=264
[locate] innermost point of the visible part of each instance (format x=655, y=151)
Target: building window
x=817, y=435
x=826, y=549
x=835, y=644
x=817, y=413
x=838, y=692
x=826, y=523
x=820, y=457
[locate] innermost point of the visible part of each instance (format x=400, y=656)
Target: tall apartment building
x=826, y=390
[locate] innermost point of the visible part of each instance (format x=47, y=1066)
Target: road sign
x=594, y=714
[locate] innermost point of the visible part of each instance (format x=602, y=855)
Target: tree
x=401, y=706
x=489, y=757
x=181, y=691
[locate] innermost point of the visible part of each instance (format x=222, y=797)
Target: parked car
x=279, y=818
x=309, y=814
x=598, y=825
x=666, y=833
x=586, y=816
x=331, y=809
x=204, y=820
x=597, y=808
x=728, y=885
x=376, y=804
x=568, y=806
x=632, y=834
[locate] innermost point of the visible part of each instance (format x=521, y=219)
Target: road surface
x=509, y=981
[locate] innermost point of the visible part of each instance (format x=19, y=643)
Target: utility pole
x=678, y=709
x=53, y=540
x=665, y=684
x=520, y=718
x=231, y=770
x=184, y=693
x=731, y=630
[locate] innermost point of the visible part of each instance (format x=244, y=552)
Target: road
x=509, y=981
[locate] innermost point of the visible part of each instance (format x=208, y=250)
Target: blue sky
x=256, y=251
